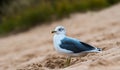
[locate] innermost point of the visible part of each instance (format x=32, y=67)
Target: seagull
x=70, y=46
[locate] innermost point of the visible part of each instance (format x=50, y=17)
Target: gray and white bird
x=70, y=46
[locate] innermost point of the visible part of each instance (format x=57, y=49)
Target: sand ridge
x=33, y=50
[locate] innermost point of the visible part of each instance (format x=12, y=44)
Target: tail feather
x=99, y=49
x=95, y=50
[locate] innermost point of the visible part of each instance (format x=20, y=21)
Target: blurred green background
x=20, y=15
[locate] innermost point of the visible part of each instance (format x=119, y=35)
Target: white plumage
x=68, y=45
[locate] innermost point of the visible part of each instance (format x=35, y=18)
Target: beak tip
x=53, y=31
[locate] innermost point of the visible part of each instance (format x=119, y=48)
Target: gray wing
x=75, y=45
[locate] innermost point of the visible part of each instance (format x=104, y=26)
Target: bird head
x=59, y=30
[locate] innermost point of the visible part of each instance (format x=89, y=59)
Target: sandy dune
x=33, y=50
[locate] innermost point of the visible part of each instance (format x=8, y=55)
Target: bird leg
x=68, y=61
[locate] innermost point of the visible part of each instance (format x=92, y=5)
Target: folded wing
x=75, y=45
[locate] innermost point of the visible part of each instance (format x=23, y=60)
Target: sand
x=33, y=50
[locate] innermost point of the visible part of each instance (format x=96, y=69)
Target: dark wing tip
x=87, y=45
x=99, y=49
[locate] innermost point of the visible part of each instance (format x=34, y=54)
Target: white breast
x=57, y=41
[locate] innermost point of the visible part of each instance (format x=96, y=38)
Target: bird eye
x=60, y=29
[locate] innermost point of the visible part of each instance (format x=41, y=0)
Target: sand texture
x=33, y=50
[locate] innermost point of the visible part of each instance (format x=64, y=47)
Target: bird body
x=57, y=41
x=70, y=46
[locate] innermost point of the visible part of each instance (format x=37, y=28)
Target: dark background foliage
x=20, y=15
